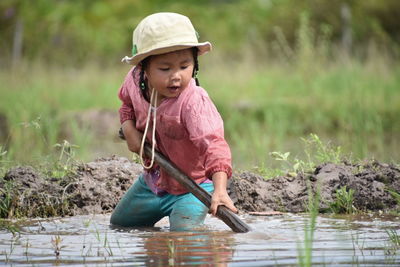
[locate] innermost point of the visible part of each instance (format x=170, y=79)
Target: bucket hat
x=161, y=33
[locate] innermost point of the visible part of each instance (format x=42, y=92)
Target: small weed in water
x=358, y=243
x=27, y=246
x=344, y=201
x=106, y=245
x=8, y=254
x=394, y=241
x=56, y=242
x=171, y=252
x=305, y=251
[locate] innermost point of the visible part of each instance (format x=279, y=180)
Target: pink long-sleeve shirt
x=189, y=131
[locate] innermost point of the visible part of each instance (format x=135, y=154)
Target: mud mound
x=25, y=193
x=99, y=185
x=96, y=187
x=371, y=182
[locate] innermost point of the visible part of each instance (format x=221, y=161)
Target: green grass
x=266, y=107
x=37, y=100
x=269, y=108
x=344, y=201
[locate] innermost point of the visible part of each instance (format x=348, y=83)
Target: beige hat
x=161, y=33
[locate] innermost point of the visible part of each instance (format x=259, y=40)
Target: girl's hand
x=132, y=136
x=220, y=195
x=221, y=198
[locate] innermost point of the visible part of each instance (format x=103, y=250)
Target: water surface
x=276, y=240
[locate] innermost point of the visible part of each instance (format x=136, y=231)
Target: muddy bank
x=96, y=187
x=372, y=183
x=93, y=188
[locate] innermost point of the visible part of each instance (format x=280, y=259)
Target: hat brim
x=134, y=60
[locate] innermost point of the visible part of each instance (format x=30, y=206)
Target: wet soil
x=372, y=183
x=96, y=187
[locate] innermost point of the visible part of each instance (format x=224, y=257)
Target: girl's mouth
x=173, y=89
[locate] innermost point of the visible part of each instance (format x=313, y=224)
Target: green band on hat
x=134, y=50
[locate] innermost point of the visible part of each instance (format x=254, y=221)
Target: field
x=266, y=106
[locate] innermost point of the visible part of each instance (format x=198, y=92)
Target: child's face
x=170, y=73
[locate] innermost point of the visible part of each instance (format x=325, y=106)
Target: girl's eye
x=184, y=67
x=164, y=69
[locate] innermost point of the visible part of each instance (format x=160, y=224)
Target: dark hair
x=141, y=82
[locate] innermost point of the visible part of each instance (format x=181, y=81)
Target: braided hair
x=141, y=81
x=195, y=51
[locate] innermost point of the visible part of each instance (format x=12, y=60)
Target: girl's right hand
x=132, y=136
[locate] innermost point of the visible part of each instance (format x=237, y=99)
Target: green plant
x=394, y=242
x=305, y=251
x=13, y=242
x=318, y=152
x=10, y=226
x=395, y=195
x=344, y=201
x=171, y=252
x=394, y=237
x=3, y=152
x=65, y=163
x=106, y=244
x=56, y=242
x=3, y=161
x=6, y=200
x=294, y=166
x=358, y=243
x=27, y=246
x=267, y=172
x=38, y=130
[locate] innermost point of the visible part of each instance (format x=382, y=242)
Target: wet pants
x=141, y=207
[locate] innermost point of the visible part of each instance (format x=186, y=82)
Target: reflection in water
x=188, y=248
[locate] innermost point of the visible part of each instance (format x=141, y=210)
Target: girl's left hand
x=221, y=198
x=220, y=195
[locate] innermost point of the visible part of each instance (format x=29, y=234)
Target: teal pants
x=141, y=207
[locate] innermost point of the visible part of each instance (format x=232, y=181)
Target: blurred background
x=280, y=70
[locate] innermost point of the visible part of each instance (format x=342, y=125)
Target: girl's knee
x=187, y=216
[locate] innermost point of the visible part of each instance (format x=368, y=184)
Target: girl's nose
x=176, y=76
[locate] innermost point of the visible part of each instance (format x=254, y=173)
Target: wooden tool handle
x=227, y=216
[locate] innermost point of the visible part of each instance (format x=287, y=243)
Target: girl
x=163, y=104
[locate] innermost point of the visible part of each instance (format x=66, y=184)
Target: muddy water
x=277, y=240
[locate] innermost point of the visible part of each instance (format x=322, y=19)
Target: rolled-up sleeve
x=206, y=130
x=126, y=111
